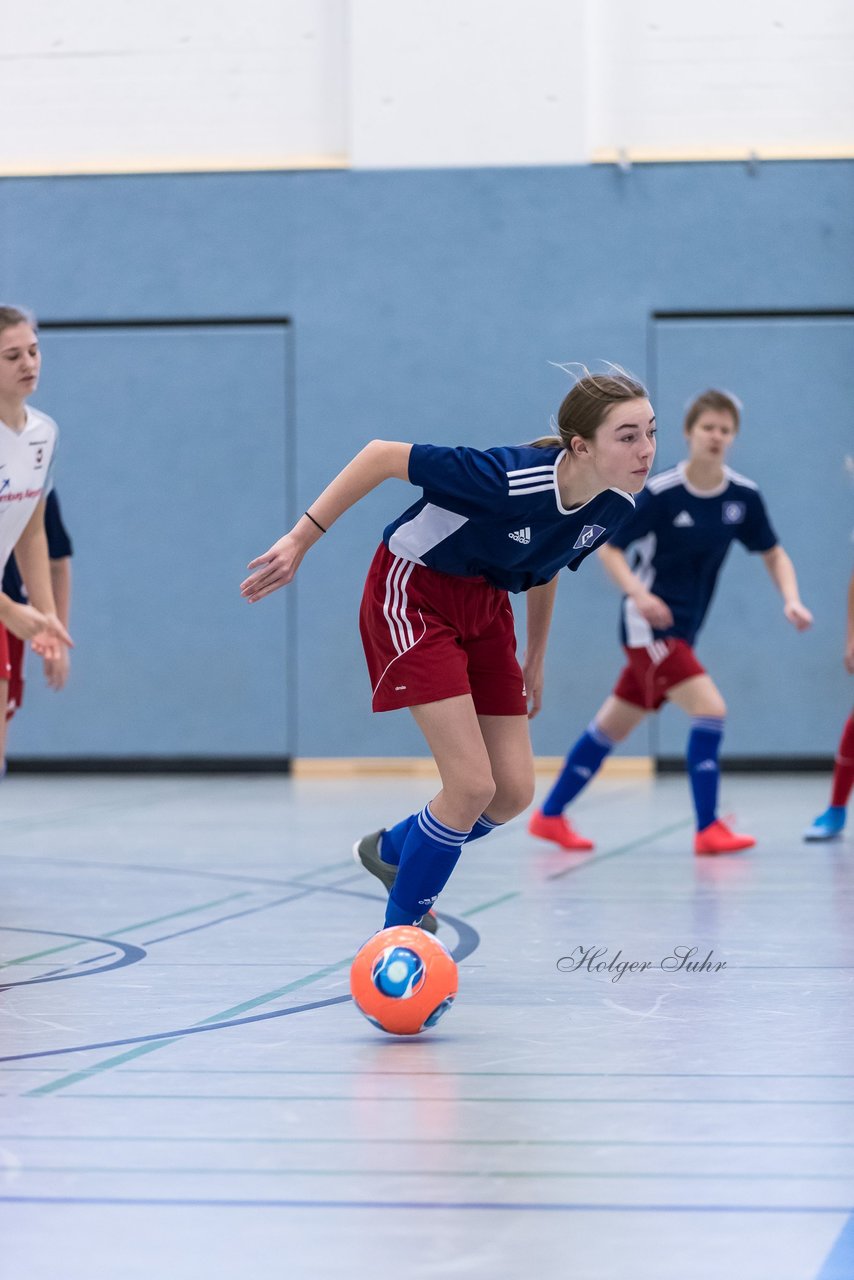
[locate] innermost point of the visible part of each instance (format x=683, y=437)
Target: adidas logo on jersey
x=521, y=535
x=683, y=521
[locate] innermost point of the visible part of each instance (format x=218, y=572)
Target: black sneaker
x=367, y=852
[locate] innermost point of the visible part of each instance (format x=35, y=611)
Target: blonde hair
x=583, y=408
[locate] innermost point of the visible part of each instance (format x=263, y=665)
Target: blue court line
x=127, y=928
x=546, y=1175
x=498, y=1206
x=129, y=953
x=468, y=940
x=235, y=915
x=408, y=1141
x=389, y=1101
x=314, y=1072
x=839, y=1263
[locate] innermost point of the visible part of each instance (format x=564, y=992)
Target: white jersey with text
x=26, y=459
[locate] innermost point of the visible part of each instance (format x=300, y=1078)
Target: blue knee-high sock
x=483, y=827
x=393, y=840
x=427, y=859
x=579, y=767
x=704, y=745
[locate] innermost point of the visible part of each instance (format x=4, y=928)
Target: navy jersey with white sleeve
x=497, y=514
x=676, y=542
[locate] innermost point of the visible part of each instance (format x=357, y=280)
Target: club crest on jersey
x=588, y=536
x=683, y=521
x=521, y=535
x=733, y=512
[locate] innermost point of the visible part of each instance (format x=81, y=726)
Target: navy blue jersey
x=676, y=542
x=58, y=547
x=497, y=514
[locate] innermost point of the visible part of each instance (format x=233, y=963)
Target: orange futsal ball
x=403, y=980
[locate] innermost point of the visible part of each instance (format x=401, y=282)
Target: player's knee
x=471, y=793
x=716, y=707
x=513, y=797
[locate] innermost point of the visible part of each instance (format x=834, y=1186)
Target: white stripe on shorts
x=394, y=606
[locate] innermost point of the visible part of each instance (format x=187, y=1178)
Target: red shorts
x=12, y=669
x=652, y=671
x=429, y=636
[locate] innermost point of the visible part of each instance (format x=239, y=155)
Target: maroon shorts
x=12, y=669
x=429, y=636
x=652, y=671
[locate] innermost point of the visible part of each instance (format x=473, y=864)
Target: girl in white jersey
x=436, y=622
x=27, y=446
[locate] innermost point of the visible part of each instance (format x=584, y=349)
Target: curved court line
x=468, y=940
x=129, y=953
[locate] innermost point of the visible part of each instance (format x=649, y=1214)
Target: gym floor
x=188, y=1090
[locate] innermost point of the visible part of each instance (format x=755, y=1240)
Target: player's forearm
x=34, y=564
x=540, y=603
x=60, y=581
x=783, y=575
x=617, y=567
x=378, y=461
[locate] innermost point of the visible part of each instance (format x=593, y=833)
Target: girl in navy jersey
x=436, y=621
x=666, y=559
x=27, y=445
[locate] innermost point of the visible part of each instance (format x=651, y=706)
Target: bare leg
x=456, y=741
x=508, y=744
x=617, y=718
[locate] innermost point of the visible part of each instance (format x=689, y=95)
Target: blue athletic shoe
x=828, y=825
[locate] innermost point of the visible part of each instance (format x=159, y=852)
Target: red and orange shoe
x=558, y=830
x=718, y=838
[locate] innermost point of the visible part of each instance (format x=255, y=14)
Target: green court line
x=75, y=1077
x=484, y=906
x=724, y=1175
x=127, y=928
x=595, y=859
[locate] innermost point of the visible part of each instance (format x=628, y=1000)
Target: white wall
x=677, y=79
x=115, y=85
x=121, y=85
x=467, y=82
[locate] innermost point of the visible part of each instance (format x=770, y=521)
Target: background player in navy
x=436, y=621
x=666, y=559
x=59, y=548
x=830, y=824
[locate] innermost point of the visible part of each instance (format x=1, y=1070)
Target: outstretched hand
x=799, y=616
x=274, y=569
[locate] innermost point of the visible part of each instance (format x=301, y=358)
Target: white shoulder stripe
x=739, y=479
x=664, y=480
x=533, y=487
x=527, y=471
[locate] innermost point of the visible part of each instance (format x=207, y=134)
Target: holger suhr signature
x=680, y=960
